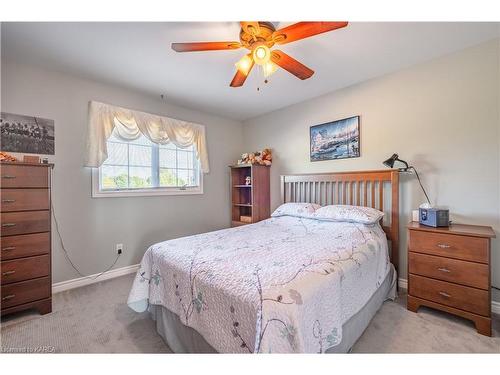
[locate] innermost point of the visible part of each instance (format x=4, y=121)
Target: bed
x=288, y=284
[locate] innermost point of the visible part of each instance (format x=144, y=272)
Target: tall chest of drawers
x=25, y=241
x=449, y=270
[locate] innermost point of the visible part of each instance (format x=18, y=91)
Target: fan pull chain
x=266, y=81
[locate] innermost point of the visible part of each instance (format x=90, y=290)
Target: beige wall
x=91, y=227
x=441, y=116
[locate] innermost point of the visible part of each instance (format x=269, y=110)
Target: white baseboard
x=495, y=306
x=82, y=281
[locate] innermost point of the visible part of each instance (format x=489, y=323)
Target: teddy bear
x=266, y=157
x=252, y=158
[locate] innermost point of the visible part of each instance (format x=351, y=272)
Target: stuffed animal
x=266, y=156
x=263, y=157
x=6, y=157
x=251, y=158
x=244, y=159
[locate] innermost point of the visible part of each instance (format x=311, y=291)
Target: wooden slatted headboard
x=365, y=188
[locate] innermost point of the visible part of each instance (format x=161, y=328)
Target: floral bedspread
x=285, y=284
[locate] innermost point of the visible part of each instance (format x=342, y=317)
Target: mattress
x=285, y=284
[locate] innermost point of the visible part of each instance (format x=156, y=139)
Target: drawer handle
x=8, y=176
x=444, y=270
x=6, y=225
x=8, y=200
x=8, y=248
x=7, y=273
x=10, y=296
x=446, y=295
x=443, y=246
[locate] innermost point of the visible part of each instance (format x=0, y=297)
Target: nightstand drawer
x=452, y=270
x=24, y=269
x=458, y=296
x=450, y=245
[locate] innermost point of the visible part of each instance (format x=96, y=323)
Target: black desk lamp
x=393, y=159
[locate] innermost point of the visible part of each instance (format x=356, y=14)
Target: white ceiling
x=138, y=56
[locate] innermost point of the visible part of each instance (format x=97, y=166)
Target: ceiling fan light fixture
x=261, y=54
x=244, y=65
x=258, y=37
x=269, y=68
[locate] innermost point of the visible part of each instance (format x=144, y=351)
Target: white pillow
x=353, y=214
x=296, y=209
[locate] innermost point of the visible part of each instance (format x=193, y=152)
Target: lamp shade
x=390, y=162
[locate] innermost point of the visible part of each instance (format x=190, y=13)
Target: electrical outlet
x=119, y=248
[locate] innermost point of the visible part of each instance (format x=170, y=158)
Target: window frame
x=136, y=192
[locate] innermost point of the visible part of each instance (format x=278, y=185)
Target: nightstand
x=449, y=270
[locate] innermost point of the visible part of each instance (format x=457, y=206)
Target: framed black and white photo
x=335, y=140
x=27, y=134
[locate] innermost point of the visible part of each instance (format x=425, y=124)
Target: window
x=141, y=167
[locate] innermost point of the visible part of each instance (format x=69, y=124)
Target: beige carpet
x=96, y=319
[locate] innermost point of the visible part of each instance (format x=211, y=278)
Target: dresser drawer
x=24, y=245
x=453, y=270
x=449, y=245
x=25, y=291
x=458, y=296
x=19, y=176
x=25, y=222
x=24, y=269
x=24, y=199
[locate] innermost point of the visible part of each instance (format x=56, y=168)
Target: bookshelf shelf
x=250, y=203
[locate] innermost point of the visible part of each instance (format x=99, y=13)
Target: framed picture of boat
x=335, y=140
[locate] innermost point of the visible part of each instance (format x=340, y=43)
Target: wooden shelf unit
x=251, y=200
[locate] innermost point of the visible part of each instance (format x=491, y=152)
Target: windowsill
x=151, y=192
x=145, y=192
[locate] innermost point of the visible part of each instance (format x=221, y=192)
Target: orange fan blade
x=204, y=46
x=291, y=65
x=303, y=30
x=240, y=77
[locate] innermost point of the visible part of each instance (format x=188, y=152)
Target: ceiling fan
x=259, y=38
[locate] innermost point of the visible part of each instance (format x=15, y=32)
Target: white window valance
x=130, y=125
